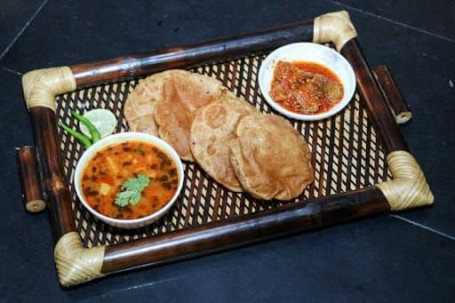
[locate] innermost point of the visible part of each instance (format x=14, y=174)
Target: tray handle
x=392, y=94
x=30, y=179
x=40, y=89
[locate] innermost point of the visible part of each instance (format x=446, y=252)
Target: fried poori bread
x=139, y=106
x=183, y=94
x=270, y=158
x=212, y=128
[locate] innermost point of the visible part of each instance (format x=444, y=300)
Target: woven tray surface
x=346, y=155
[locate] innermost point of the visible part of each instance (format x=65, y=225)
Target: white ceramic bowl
x=118, y=138
x=308, y=52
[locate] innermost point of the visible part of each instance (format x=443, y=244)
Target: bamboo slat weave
x=346, y=155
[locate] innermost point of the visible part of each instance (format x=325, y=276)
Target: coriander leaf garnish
x=127, y=197
x=131, y=190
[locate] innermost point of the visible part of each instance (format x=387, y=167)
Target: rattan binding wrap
x=334, y=27
x=42, y=85
x=409, y=188
x=76, y=264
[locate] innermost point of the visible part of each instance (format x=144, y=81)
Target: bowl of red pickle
x=306, y=81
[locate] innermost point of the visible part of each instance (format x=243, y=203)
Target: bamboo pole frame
x=76, y=264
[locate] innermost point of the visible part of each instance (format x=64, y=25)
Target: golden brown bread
x=235, y=144
x=183, y=94
x=270, y=158
x=139, y=106
x=212, y=128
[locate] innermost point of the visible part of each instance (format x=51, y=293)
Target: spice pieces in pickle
x=305, y=87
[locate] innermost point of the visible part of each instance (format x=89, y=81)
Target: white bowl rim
x=121, y=137
x=278, y=53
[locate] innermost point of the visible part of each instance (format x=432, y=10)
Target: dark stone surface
x=81, y=32
x=408, y=257
x=15, y=16
x=435, y=17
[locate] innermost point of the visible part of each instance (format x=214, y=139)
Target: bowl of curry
x=306, y=81
x=129, y=180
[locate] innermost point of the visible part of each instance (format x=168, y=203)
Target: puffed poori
x=183, y=94
x=270, y=158
x=239, y=147
x=139, y=106
x=212, y=128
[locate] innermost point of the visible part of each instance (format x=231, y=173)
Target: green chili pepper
x=84, y=139
x=94, y=133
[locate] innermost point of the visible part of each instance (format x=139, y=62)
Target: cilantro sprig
x=132, y=190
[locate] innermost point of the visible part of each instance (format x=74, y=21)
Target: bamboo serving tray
x=361, y=161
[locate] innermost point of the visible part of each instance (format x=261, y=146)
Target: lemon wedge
x=103, y=119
